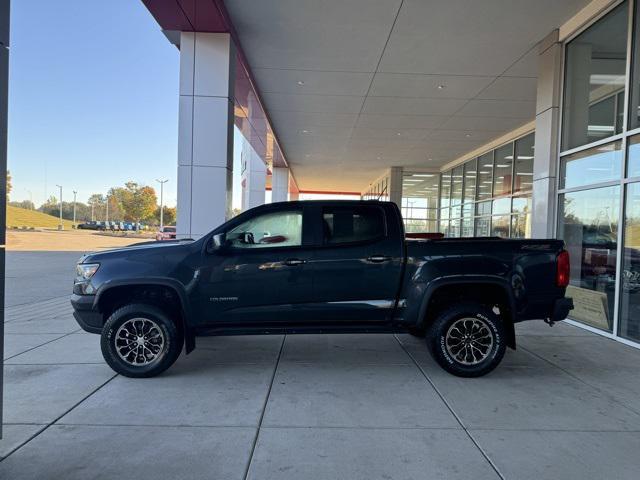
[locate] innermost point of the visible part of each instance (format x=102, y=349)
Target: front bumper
x=87, y=317
x=561, y=309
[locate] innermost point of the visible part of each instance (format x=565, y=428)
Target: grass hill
x=20, y=217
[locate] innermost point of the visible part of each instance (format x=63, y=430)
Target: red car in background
x=166, y=233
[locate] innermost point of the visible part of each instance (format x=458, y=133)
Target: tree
x=97, y=204
x=9, y=186
x=138, y=201
x=169, y=216
x=26, y=204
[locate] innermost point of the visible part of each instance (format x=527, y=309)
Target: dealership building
x=517, y=119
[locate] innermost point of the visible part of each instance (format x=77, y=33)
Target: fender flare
x=500, y=282
x=176, y=286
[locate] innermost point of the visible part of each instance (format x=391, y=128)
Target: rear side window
x=352, y=224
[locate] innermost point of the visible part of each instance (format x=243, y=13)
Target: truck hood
x=142, y=248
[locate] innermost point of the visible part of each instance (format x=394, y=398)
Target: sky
x=93, y=99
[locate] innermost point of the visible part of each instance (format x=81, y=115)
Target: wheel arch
x=474, y=289
x=111, y=294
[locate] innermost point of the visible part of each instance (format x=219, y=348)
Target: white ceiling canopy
x=356, y=86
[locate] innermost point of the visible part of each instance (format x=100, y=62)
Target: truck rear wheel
x=140, y=341
x=467, y=340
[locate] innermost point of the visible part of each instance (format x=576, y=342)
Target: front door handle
x=292, y=262
x=378, y=258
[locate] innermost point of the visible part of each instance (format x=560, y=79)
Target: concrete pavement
x=566, y=404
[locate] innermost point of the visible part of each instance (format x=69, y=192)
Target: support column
x=205, y=132
x=545, y=161
x=395, y=185
x=254, y=177
x=280, y=184
x=4, y=87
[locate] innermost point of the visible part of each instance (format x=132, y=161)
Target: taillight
x=563, y=269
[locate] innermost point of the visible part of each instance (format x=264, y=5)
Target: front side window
x=274, y=229
x=352, y=224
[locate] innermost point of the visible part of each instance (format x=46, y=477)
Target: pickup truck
x=319, y=267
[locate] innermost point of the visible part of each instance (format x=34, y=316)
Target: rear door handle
x=378, y=258
x=292, y=262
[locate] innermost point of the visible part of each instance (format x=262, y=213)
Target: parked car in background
x=319, y=267
x=166, y=233
x=88, y=226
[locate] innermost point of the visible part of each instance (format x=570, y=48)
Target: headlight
x=84, y=271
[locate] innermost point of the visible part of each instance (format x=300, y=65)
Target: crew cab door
x=358, y=263
x=263, y=274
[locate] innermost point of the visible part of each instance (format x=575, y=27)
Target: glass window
x=467, y=220
x=595, y=74
x=456, y=186
x=420, y=201
x=352, y=224
x=598, y=164
x=588, y=223
x=633, y=157
x=521, y=220
x=445, y=189
x=483, y=208
x=503, y=170
x=634, y=107
x=524, y=163
x=502, y=206
x=275, y=229
x=485, y=175
x=470, y=171
x=483, y=227
x=630, y=289
x=521, y=205
x=454, y=228
x=500, y=226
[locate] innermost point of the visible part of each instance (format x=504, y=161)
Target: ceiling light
x=399, y=133
x=468, y=135
x=306, y=131
x=441, y=87
x=502, y=166
x=300, y=82
x=428, y=175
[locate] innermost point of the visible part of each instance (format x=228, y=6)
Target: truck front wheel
x=140, y=341
x=467, y=340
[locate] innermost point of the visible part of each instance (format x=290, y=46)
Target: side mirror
x=216, y=242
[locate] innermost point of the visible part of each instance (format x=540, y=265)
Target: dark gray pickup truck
x=319, y=267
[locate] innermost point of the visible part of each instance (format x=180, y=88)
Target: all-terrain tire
x=467, y=340
x=140, y=340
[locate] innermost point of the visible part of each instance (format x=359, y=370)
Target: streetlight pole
x=162, y=182
x=74, y=206
x=30, y=198
x=60, y=227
